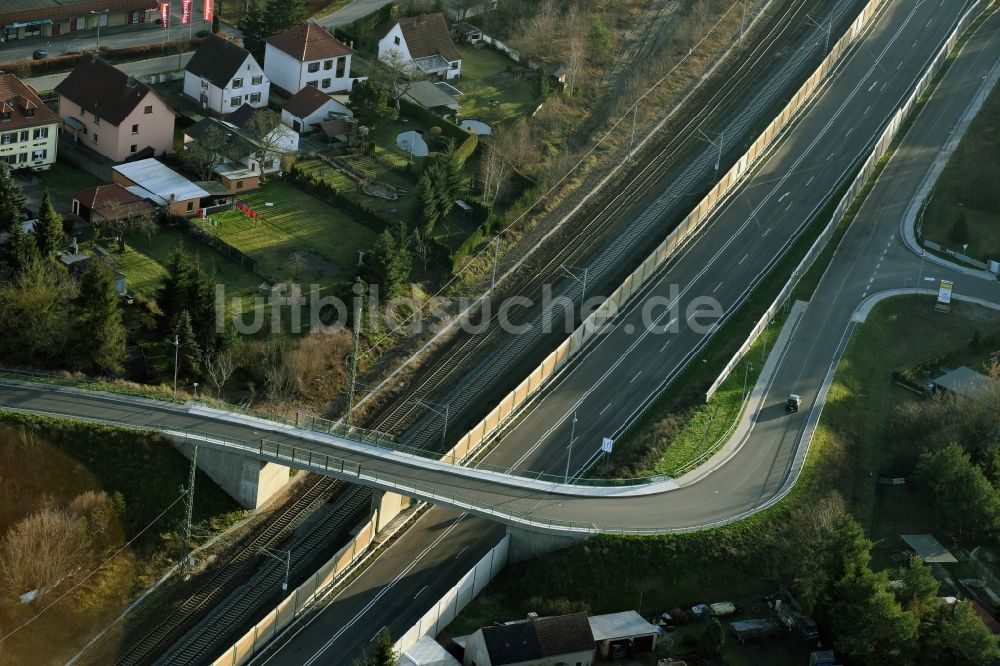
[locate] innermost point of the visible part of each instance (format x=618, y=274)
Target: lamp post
x=583, y=282
x=177, y=349
x=569, y=451
x=98, y=13
x=828, y=28
x=287, y=559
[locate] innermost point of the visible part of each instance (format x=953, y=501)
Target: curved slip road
x=761, y=467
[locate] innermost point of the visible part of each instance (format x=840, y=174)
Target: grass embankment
x=491, y=90
x=742, y=562
x=46, y=462
x=965, y=204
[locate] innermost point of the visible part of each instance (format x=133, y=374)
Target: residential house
x=222, y=77
x=308, y=55
x=309, y=107
x=29, y=131
x=51, y=18
x=161, y=185
x=545, y=641
x=110, y=202
x=424, y=44
x=242, y=168
x=113, y=113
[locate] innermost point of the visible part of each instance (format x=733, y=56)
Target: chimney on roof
x=131, y=82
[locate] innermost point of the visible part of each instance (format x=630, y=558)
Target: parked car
x=666, y=621
x=723, y=608
x=40, y=55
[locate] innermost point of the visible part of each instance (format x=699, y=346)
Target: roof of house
x=427, y=652
x=21, y=100
x=309, y=42
x=428, y=35
x=103, y=89
x=217, y=60
x=337, y=127
x=626, y=624
x=429, y=96
x=965, y=381
x=160, y=180
x=103, y=196
x=32, y=10
x=928, y=548
x=538, y=638
x=306, y=101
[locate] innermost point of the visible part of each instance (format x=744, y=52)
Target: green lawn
x=298, y=237
x=144, y=263
x=490, y=92
x=970, y=186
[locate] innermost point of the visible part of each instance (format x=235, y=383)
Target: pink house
x=113, y=113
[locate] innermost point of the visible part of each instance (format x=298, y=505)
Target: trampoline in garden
x=477, y=127
x=411, y=142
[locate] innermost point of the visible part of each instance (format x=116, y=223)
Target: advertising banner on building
x=206, y=10
x=165, y=14
x=185, y=12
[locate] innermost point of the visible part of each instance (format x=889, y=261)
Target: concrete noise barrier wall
x=510, y=405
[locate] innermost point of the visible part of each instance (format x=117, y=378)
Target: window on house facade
x=234, y=102
x=327, y=64
x=204, y=84
x=135, y=129
x=395, y=40
x=313, y=67
x=257, y=80
x=314, y=84
x=239, y=184
x=148, y=109
x=133, y=148
x=254, y=98
x=95, y=139
x=341, y=66
x=454, y=65
x=326, y=83
x=24, y=135
x=10, y=159
x=5, y=115
x=41, y=133
x=39, y=154
x=9, y=137
x=23, y=157
x=190, y=206
x=29, y=113
x=237, y=83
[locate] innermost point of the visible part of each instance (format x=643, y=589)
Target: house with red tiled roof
x=110, y=202
x=29, y=131
x=308, y=55
x=424, y=43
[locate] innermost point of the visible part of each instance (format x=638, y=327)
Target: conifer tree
x=49, y=228
x=98, y=334
x=11, y=199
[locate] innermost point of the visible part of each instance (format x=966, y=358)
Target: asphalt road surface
x=138, y=69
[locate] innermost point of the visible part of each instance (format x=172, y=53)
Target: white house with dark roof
x=424, y=43
x=309, y=107
x=29, y=131
x=222, y=77
x=545, y=641
x=308, y=55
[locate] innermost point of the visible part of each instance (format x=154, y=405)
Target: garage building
x=623, y=634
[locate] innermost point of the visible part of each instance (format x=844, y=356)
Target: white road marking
x=604, y=410
x=899, y=65
x=420, y=592
x=849, y=132
x=717, y=287
x=867, y=109
x=810, y=180
x=883, y=86
x=665, y=344
x=782, y=197
x=460, y=552
x=872, y=86
x=376, y=634
x=636, y=376
x=767, y=232
x=743, y=259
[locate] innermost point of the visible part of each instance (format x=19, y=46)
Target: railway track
x=676, y=143
x=228, y=621
x=176, y=622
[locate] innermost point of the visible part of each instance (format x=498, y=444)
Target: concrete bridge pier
x=250, y=482
x=525, y=543
x=386, y=506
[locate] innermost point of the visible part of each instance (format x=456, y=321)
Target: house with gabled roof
x=536, y=641
x=113, y=113
x=309, y=107
x=423, y=43
x=111, y=202
x=222, y=77
x=29, y=131
x=308, y=55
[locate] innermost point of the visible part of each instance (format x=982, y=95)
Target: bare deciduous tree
x=117, y=220
x=42, y=549
x=261, y=126
x=211, y=149
x=219, y=365
x=397, y=74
